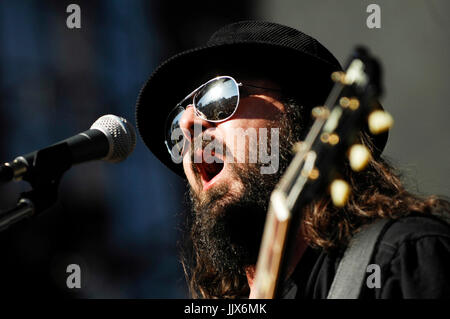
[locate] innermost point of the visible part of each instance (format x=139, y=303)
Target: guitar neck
x=271, y=253
x=280, y=230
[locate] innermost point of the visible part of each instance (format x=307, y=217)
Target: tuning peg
x=331, y=139
x=380, y=121
x=338, y=76
x=344, y=101
x=299, y=147
x=340, y=192
x=352, y=103
x=314, y=174
x=320, y=112
x=359, y=156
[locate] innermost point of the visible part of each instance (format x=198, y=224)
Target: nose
x=192, y=124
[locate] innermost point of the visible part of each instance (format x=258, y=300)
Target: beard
x=226, y=227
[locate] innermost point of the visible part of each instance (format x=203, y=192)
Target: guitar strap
x=351, y=271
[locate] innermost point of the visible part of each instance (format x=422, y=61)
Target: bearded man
x=259, y=81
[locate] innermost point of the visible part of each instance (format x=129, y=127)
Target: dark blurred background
x=119, y=222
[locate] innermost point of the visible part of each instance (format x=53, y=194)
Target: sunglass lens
x=217, y=100
x=175, y=139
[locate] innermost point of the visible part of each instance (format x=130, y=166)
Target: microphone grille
x=120, y=134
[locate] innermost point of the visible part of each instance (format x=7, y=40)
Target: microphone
x=111, y=138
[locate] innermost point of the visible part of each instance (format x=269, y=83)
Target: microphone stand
x=44, y=175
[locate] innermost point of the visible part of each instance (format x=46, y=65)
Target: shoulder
x=413, y=228
x=414, y=255
x=412, y=234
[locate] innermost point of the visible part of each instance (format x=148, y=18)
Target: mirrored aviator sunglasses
x=214, y=101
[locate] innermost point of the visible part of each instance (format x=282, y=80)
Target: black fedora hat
x=298, y=62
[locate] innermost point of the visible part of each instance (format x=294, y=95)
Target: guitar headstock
x=333, y=138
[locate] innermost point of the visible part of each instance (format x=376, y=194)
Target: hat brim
x=184, y=72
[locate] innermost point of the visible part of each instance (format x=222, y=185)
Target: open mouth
x=209, y=172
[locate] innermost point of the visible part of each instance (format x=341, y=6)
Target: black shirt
x=413, y=253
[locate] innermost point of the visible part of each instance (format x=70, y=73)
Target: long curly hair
x=377, y=192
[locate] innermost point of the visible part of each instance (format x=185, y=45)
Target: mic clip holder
x=44, y=174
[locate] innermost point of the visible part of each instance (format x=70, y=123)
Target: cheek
x=241, y=138
x=241, y=132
